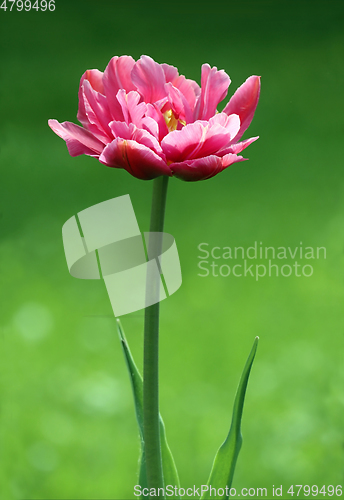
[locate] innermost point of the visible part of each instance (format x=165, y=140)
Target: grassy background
x=67, y=425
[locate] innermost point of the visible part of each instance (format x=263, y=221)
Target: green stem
x=151, y=430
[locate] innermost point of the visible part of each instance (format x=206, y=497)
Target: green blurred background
x=67, y=424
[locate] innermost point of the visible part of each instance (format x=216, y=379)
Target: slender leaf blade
x=222, y=472
x=169, y=468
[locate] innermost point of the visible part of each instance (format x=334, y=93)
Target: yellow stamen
x=171, y=120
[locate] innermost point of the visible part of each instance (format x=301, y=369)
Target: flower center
x=171, y=120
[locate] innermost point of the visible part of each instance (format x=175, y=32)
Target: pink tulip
x=146, y=118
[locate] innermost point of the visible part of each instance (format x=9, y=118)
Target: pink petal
x=214, y=89
x=78, y=140
x=195, y=140
x=97, y=113
x=230, y=158
x=238, y=147
x=179, y=104
x=189, y=88
x=138, y=160
x=231, y=123
x=95, y=78
x=149, y=78
x=202, y=168
x=130, y=132
x=154, y=112
x=244, y=102
x=122, y=130
x=170, y=72
x=133, y=112
x=179, y=145
x=216, y=138
x=146, y=139
x=151, y=125
x=161, y=104
x=117, y=75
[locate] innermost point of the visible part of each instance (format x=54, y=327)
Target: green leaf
x=222, y=472
x=168, y=464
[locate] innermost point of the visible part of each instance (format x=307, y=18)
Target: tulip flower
x=147, y=119
x=144, y=117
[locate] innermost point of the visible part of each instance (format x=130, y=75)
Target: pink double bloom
x=146, y=118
